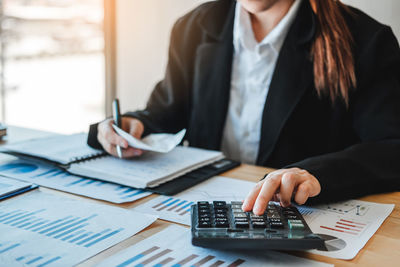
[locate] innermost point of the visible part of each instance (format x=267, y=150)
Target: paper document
x=40, y=229
x=345, y=226
x=177, y=208
x=52, y=177
x=162, y=143
x=10, y=187
x=172, y=247
x=61, y=149
x=148, y=170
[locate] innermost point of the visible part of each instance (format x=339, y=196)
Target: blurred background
x=63, y=61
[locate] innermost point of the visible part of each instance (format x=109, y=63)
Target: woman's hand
x=282, y=185
x=109, y=139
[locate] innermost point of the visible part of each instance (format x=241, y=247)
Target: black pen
x=117, y=121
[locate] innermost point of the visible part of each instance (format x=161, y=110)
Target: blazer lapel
x=212, y=75
x=292, y=76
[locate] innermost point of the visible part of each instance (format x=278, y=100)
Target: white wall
x=384, y=11
x=143, y=28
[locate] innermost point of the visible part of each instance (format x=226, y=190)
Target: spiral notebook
x=60, y=149
x=147, y=171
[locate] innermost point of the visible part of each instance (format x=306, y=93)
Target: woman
x=310, y=87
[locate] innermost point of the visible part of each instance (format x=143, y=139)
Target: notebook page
x=148, y=169
x=62, y=149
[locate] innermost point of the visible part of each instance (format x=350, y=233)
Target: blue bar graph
x=5, y=219
x=104, y=237
x=36, y=224
x=71, y=230
x=93, y=237
x=57, y=225
x=49, y=261
x=137, y=257
x=8, y=213
x=138, y=192
x=9, y=248
x=80, y=237
x=46, y=173
x=71, y=225
x=35, y=260
x=49, y=224
x=72, y=235
x=22, y=221
x=28, y=223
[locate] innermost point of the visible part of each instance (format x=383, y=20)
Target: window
x=52, y=64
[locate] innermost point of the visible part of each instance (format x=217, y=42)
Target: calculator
x=223, y=225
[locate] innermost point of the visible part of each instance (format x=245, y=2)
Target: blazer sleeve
x=372, y=165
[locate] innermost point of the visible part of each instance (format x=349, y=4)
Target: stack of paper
x=45, y=230
x=171, y=247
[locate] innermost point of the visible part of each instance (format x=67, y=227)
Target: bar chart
x=51, y=230
x=49, y=176
x=168, y=208
x=172, y=247
x=39, y=259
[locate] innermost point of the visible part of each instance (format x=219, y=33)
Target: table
x=383, y=249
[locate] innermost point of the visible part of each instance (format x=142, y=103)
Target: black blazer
x=352, y=151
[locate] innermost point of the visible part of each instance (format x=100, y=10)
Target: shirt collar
x=243, y=36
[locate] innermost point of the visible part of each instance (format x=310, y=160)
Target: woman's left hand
x=281, y=185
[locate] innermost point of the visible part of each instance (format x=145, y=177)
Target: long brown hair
x=334, y=72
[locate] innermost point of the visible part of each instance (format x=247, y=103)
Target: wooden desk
x=383, y=249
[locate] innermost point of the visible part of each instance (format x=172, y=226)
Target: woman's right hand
x=109, y=139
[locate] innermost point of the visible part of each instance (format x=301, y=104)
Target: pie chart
x=332, y=243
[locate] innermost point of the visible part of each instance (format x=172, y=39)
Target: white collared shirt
x=252, y=71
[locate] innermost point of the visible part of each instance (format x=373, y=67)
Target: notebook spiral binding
x=88, y=157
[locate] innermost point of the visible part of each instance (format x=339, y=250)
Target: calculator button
x=257, y=220
x=237, y=207
x=276, y=224
x=242, y=224
x=240, y=215
x=241, y=219
x=220, y=210
x=237, y=210
x=295, y=224
x=204, y=224
x=205, y=219
x=201, y=216
x=259, y=224
x=199, y=203
x=222, y=224
x=202, y=211
x=219, y=203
